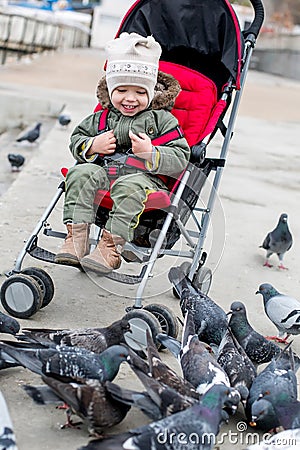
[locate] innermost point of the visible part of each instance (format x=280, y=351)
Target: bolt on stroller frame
x=26, y=291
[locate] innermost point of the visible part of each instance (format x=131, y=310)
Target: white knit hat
x=132, y=60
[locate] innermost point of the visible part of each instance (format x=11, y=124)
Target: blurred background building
x=37, y=25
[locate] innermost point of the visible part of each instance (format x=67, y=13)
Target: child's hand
x=103, y=144
x=141, y=145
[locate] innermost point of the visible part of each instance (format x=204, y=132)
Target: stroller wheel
x=167, y=319
x=202, y=279
x=21, y=296
x=44, y=281
x=140, y=321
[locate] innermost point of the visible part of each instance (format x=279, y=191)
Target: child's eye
x=121, y=90
x=141, y=92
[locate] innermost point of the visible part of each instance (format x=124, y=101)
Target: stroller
x=204, y=48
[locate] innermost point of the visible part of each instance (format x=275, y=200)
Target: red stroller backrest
x=195, y=102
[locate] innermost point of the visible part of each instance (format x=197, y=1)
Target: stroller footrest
x=41, y=253
x=125, y=278
x=57, y=234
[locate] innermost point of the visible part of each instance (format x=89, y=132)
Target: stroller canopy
x=203, y=35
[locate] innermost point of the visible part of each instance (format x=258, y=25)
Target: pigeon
x=164, y=374
x=259, y=349
x=278, y=241
x=31, y=135
x=92, y=339
x=89, y=400
x=7, y=436
x=68, y=363
x=287, y=440
x=263, y=416
x=287, y=409
x=209, y=318
x=238, y=366
x=16, y=161
x=199, y=365
x=278, y=376
x=64, y=120
x=8, y=324
x=282, y=310
x=201, y=422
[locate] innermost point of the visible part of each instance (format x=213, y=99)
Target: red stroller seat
x=197, y=111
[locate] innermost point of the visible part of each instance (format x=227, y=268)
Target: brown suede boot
x=105, y=258
x=76, y=245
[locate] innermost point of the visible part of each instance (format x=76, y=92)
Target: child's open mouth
x=129, y=107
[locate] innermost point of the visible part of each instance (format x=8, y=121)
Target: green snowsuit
x=129, y=191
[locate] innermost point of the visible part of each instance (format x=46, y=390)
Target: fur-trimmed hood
x=166, y=90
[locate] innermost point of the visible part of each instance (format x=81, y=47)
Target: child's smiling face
x=129, y=100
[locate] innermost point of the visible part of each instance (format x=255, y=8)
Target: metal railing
x=24, y=35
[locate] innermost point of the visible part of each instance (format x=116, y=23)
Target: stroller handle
x=259, y=14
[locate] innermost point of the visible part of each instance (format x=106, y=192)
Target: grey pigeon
x=92, y=339
x=16, y=161
x=282, y=310
x=68, y=363
x=31, y=135
x=198, y=363
x=263, y=416
x=202, y=421
x=7, y=436
x=277, y=377
x=259, y=349
x=238, y=366
x=64, y=120
x=8, y=324
x=209, y=318
x=287, y=408
x=278, y=241
x=164, y=374
x=89, y=400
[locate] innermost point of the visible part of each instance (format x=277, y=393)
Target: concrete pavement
x=261, y=180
